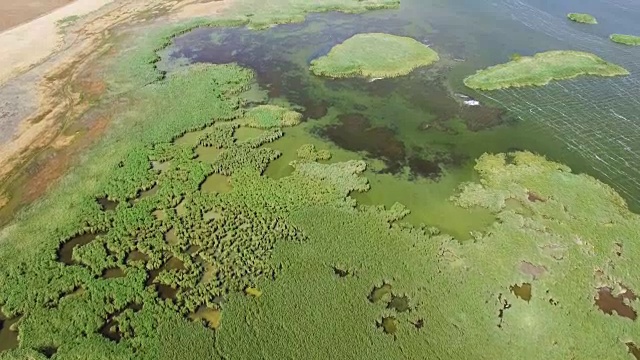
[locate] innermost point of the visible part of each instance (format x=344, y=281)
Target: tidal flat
x=243, y=207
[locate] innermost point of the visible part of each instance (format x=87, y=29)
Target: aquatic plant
x=541, y=69
x=374, y=55
x=271, y=116
x=582, y=18
x=630, y=40
x=308, y=152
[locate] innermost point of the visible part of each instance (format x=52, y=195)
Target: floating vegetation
x=271, y=116
x=542, y=68
x=582, y=18
x=375, y=56
x=630, y=40
x=308, y=152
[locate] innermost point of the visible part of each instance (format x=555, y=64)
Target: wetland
x=259, y=210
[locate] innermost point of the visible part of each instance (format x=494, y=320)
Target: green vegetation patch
x=271, y=116
x=374, y=55
x=631, y=40
x=541, y=69
x=582, y=18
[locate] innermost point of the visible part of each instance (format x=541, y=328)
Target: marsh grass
x=582, y=18
x=374, y=55
x=630, y=40
x=541, y=69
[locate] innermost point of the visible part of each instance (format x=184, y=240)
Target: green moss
x=582, y=18
x=374, y=55
x=541, y=69
x=631, y=40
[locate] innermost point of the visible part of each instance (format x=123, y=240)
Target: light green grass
x=631, y=40
x=374, y=55
x=582, y=18
x=541, y=69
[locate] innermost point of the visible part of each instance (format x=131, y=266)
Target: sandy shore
x=40, y=69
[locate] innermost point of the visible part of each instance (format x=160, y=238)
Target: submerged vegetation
x=582, y=18
x=374, y=55
x=631, y=40
x=541, y=69
x=170, y=242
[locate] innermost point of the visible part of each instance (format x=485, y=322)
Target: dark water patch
x=106, y=204
x=8, y=334
x=535, y=271
x=111, y=328
x=426, y=168
x=137, y=255
x=608, y=303
x=315, y=110
x=617, y=249
x=553, y=302
x=166, y=291
x=173, y=263
x=478, y=118
x=112, y=273
x=522, y=291
x=340, y=271
x=504, y=306
x=65, y=251
x=389, y=325
x=633, y=350
x=399, y=303
x=378, y=293
x=418, y=323
x=48, y=351
x=355, y=133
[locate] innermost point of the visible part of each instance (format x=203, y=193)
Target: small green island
x=582, y=18
x=374, y=55
x=630, y=40
x=541, y=69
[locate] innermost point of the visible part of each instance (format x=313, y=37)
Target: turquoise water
x=417, y=124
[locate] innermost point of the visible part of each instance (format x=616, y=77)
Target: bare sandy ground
x=41, y=67
x=15, y=12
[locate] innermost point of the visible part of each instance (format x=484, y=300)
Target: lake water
x=418, y=126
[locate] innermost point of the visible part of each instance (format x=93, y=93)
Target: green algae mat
x=170, y=242
x=374, y=55
x=582, y=18
x=541, y=69
x=630, y=40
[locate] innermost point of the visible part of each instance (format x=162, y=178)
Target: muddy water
x=8, y=337
x=211, y=317
x=610, y=304
x=65, y=252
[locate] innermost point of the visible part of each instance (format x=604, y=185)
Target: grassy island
x=582, y=18
x=630, y=40
x=542, y=68
x=374, y=55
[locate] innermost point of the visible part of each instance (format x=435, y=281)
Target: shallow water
x=417, y=125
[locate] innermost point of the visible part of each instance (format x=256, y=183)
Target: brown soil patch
x=15, y=12
x=534, y=271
